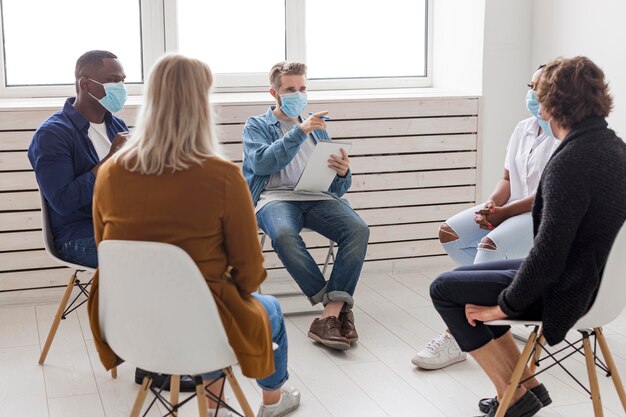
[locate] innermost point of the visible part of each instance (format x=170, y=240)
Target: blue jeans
x=513, y=238
x=80, y=252
x=279, y=336
x=475, y=284
x=333, y=219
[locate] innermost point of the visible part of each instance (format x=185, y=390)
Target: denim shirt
x=62, y=156
x=266, y=151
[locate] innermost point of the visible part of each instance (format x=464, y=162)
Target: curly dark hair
x=574, y=89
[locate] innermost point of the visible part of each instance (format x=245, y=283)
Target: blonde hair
x=285, y=68
x=175, y=124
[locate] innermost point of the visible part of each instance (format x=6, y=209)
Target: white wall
x=507, y=67
x=518, y=36
x=596, y=29
x=458, y=45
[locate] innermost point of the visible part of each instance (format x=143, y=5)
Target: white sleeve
x=513, y=145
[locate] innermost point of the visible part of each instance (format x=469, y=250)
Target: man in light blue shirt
x=277, y=146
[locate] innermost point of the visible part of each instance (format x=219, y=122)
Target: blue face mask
x=532, y=104
x=545, y=125
x=114, y=96
x=534, y=108
x=293, y=104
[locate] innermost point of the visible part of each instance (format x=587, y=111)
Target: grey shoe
x=289, y=401
x=222, y=412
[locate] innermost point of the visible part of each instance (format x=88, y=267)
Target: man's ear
x=82, y=84
x=276, y=96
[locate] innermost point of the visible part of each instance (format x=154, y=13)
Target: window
x=345, y=44
x=354, y=41
x=244, y=36
x=43, y=38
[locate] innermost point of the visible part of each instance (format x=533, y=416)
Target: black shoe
x=540, y=392
x=187, y=383
x=527, y=406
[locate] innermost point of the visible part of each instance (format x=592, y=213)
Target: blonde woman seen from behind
x=169, y=184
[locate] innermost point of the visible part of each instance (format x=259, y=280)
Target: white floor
x=394, y=318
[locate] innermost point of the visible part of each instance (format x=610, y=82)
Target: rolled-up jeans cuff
x=339, y=296
x=319, y=297
x=273, y=387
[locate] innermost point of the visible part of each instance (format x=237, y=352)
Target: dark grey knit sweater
x=579, y=208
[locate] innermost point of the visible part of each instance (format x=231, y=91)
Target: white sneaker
x=442, y=351
x=289, y=401
x=223, y=412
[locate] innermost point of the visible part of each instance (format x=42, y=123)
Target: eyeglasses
x=531, y=85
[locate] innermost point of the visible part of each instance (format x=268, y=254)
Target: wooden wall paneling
x=14, y=241
x=23, y=200
x=21, y=220
x=414, y=163
x=18, y=181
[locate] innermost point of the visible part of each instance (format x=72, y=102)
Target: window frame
x=152, y=46
x=159, y=35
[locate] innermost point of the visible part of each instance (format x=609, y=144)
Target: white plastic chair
x=330, y=255
x=63, y=309
x=607, y=306
x=156, y=311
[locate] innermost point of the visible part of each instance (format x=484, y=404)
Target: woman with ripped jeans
x=502, y=227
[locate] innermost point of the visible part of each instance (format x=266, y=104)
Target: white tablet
x=317, y=176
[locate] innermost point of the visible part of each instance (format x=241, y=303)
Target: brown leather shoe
x=327, y=331
x=348, y=330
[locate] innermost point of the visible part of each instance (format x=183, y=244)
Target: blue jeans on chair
x=80, y=252
x=279, y=336
x=334, y=219
x=479, y=284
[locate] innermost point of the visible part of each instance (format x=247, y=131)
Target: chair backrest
x=48, y=239
x=610, y=300
x=157, y=311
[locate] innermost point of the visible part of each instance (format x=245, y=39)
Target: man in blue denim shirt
x=277, y=146
x=69, y=147
x=66, y=152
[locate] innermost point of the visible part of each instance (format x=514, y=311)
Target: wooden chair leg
x=593, y=377
x=537, y=355
x=517, y=374
x=608, y=358
x=174, y=392
x=203, y=408
x=241, y=398
x=114, y=373
x=141, y=396
x=57, y=318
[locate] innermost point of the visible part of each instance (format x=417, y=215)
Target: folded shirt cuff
x=506, y=307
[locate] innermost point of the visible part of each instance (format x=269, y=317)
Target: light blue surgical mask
x=532, y=104
x=545, y=125
x=293, y=104
x=534, y=108
x=114, y=96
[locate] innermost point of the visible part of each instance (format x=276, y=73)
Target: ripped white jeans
x=513, y=238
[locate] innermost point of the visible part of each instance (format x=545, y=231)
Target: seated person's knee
x=285, y=236
x=447, y=234
x=363, y=231
x=487, y=244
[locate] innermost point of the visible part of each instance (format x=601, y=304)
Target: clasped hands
x=491, y=216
